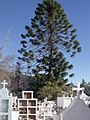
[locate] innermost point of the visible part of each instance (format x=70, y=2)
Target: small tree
x=43, y=47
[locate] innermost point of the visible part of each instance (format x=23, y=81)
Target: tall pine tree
x=43, y=46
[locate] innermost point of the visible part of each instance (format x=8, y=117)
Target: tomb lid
x=4, y=92
x=77, y=111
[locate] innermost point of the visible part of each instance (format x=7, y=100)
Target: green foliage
x=43, y=47
x=51, y=90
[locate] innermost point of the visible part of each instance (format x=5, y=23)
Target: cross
x=45, y=100
x=78, y=89
x=4, y=83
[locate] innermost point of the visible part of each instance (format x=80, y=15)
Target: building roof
x=76, y=111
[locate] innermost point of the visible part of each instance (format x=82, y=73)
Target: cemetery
x=35, y=69
x=29, y=108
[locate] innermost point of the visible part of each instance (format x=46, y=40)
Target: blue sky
x=15, y=14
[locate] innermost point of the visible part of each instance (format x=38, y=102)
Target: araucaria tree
x=43, y=46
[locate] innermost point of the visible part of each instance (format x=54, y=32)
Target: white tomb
x=77, y=110
x=27, y=106
x=5, y=103
x=64, y=101
x=74, y=108
x=46, y=110
x=7, y=110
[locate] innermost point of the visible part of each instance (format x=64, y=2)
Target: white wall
x=15, y=115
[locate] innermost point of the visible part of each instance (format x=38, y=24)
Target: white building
x=5, y=103
x=7, y=110
x=13, y=108
x=64, y=101
x=74, y=108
